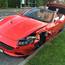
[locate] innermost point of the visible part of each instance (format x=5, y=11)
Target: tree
x=3, y=3
x=43, y=2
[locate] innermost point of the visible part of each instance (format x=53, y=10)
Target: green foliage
x=15, y=3
x=9, y=3
x=41, y=2
x=3, y=3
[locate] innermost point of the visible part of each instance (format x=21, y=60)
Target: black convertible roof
x=53, y=6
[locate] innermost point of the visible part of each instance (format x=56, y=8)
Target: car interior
x=46, y=16
x=40, y=14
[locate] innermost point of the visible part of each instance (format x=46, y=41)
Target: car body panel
x=15, y=28
x=18, y=28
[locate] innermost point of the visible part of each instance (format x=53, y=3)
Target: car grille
x=6, y=46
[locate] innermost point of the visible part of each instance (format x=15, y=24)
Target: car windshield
x=44, y=15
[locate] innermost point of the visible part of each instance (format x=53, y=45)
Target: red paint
x=14, y=28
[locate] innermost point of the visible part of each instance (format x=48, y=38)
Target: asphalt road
x=8, y=60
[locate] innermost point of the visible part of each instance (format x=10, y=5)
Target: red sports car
x=21, y=35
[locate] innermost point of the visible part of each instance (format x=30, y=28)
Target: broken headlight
x=26, y=41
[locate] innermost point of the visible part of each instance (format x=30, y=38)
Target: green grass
x=53, y=53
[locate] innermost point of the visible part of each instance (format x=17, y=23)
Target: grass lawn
x=53, y=53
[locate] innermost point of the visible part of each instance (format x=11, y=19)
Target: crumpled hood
x=19, y=27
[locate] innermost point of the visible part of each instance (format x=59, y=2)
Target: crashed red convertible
x=21, y=35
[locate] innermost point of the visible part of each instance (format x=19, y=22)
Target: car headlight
x=26, y=41
x=22, y=42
